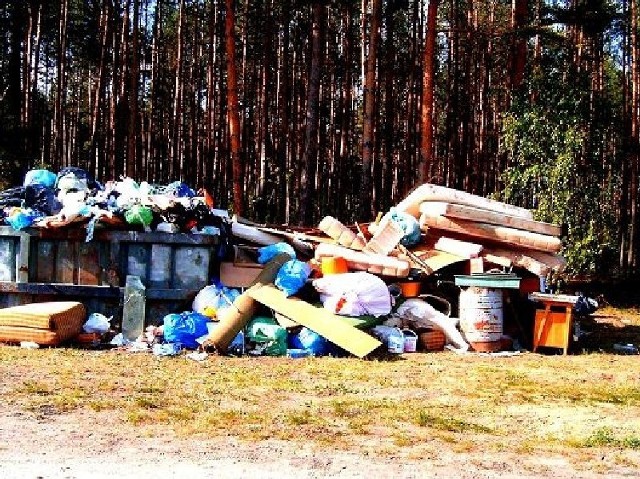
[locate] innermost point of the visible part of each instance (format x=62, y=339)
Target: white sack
x=425, y=315
x=354, y=294
x=97, y=323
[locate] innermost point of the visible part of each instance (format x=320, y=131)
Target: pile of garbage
x=49, y=200
x=294, y=309
x=281, y=291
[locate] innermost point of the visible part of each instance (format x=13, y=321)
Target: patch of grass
x=424, y=400
x=299, y=418
x=446, y=423
x=605, y=437
x=33, y=387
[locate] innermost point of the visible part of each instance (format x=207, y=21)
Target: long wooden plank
x=465, y=249
x=320, y=320
x=501, y=234
x=520, y=260
x=536, y=262
x=249, y=233
x=429, y=192
x=464, y=212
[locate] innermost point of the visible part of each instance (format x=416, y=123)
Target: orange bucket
x=410, y=289
x=333, y=265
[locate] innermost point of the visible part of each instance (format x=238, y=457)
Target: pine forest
x=289, y=110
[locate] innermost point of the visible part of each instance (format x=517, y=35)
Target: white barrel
x=481, y=317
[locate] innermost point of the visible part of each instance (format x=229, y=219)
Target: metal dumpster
x=55, y=264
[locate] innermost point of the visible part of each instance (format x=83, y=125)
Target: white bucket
x=395, y=341
x=481, y=317
x=410, y=341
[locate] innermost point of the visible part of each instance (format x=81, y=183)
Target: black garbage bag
x=585, y=306
x=12, y=196
x=41, y=198
x=76, y=173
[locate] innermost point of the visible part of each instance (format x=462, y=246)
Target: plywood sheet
x=317, y=319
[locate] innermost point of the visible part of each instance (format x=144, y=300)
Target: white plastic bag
x=212, y=298
x=97, y=323
x=354, y=294
x=424, y=315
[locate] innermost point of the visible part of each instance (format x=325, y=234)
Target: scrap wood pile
x=452, y=226
x=332, y=289
x=432, y=228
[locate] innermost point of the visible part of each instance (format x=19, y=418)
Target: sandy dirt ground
x=85, y=444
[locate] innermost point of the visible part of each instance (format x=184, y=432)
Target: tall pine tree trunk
x=369, y=111
x=634, y=240
x=233, y=115
x=428, y=89
x=133, y=167
x=310, y=154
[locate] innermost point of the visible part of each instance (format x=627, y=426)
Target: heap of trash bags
x=48, y=200
x=364, y=300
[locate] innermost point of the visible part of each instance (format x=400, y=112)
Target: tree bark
x=233, y=115
x=310, y=155
x=428, y=89
x=370, y=86
x=519, y=16
x=133, y=167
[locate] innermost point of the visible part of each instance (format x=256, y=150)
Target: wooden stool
x=552, y=327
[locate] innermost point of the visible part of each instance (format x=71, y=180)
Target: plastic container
x=410, y=341
x=395, y=341
x=481, y=317
x=410, y=289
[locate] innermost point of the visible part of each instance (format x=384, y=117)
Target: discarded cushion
x=49, y=323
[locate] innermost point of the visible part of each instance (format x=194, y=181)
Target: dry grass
x=578, y=405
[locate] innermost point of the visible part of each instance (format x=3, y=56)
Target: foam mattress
x=49, y=323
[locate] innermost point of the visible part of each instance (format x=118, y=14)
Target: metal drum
x=481, y=317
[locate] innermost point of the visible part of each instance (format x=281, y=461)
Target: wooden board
x=320, y=320
x=460, y=248
x=254, y=235
x=536, y=262
x=464, y=212
x=436, y=260
x=429, y=192
x=501, y=234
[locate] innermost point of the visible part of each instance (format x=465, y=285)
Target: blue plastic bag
x=22, y=219
x=309, y=340
x=40, y=177
x=291, y=276
x=267, y=253
x=409, y=225
x=180, y=190
x=185, y=328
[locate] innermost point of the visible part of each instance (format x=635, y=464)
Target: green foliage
x=557, y=165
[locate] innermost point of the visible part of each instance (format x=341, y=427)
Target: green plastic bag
x=270, y=338
x=139, y=215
